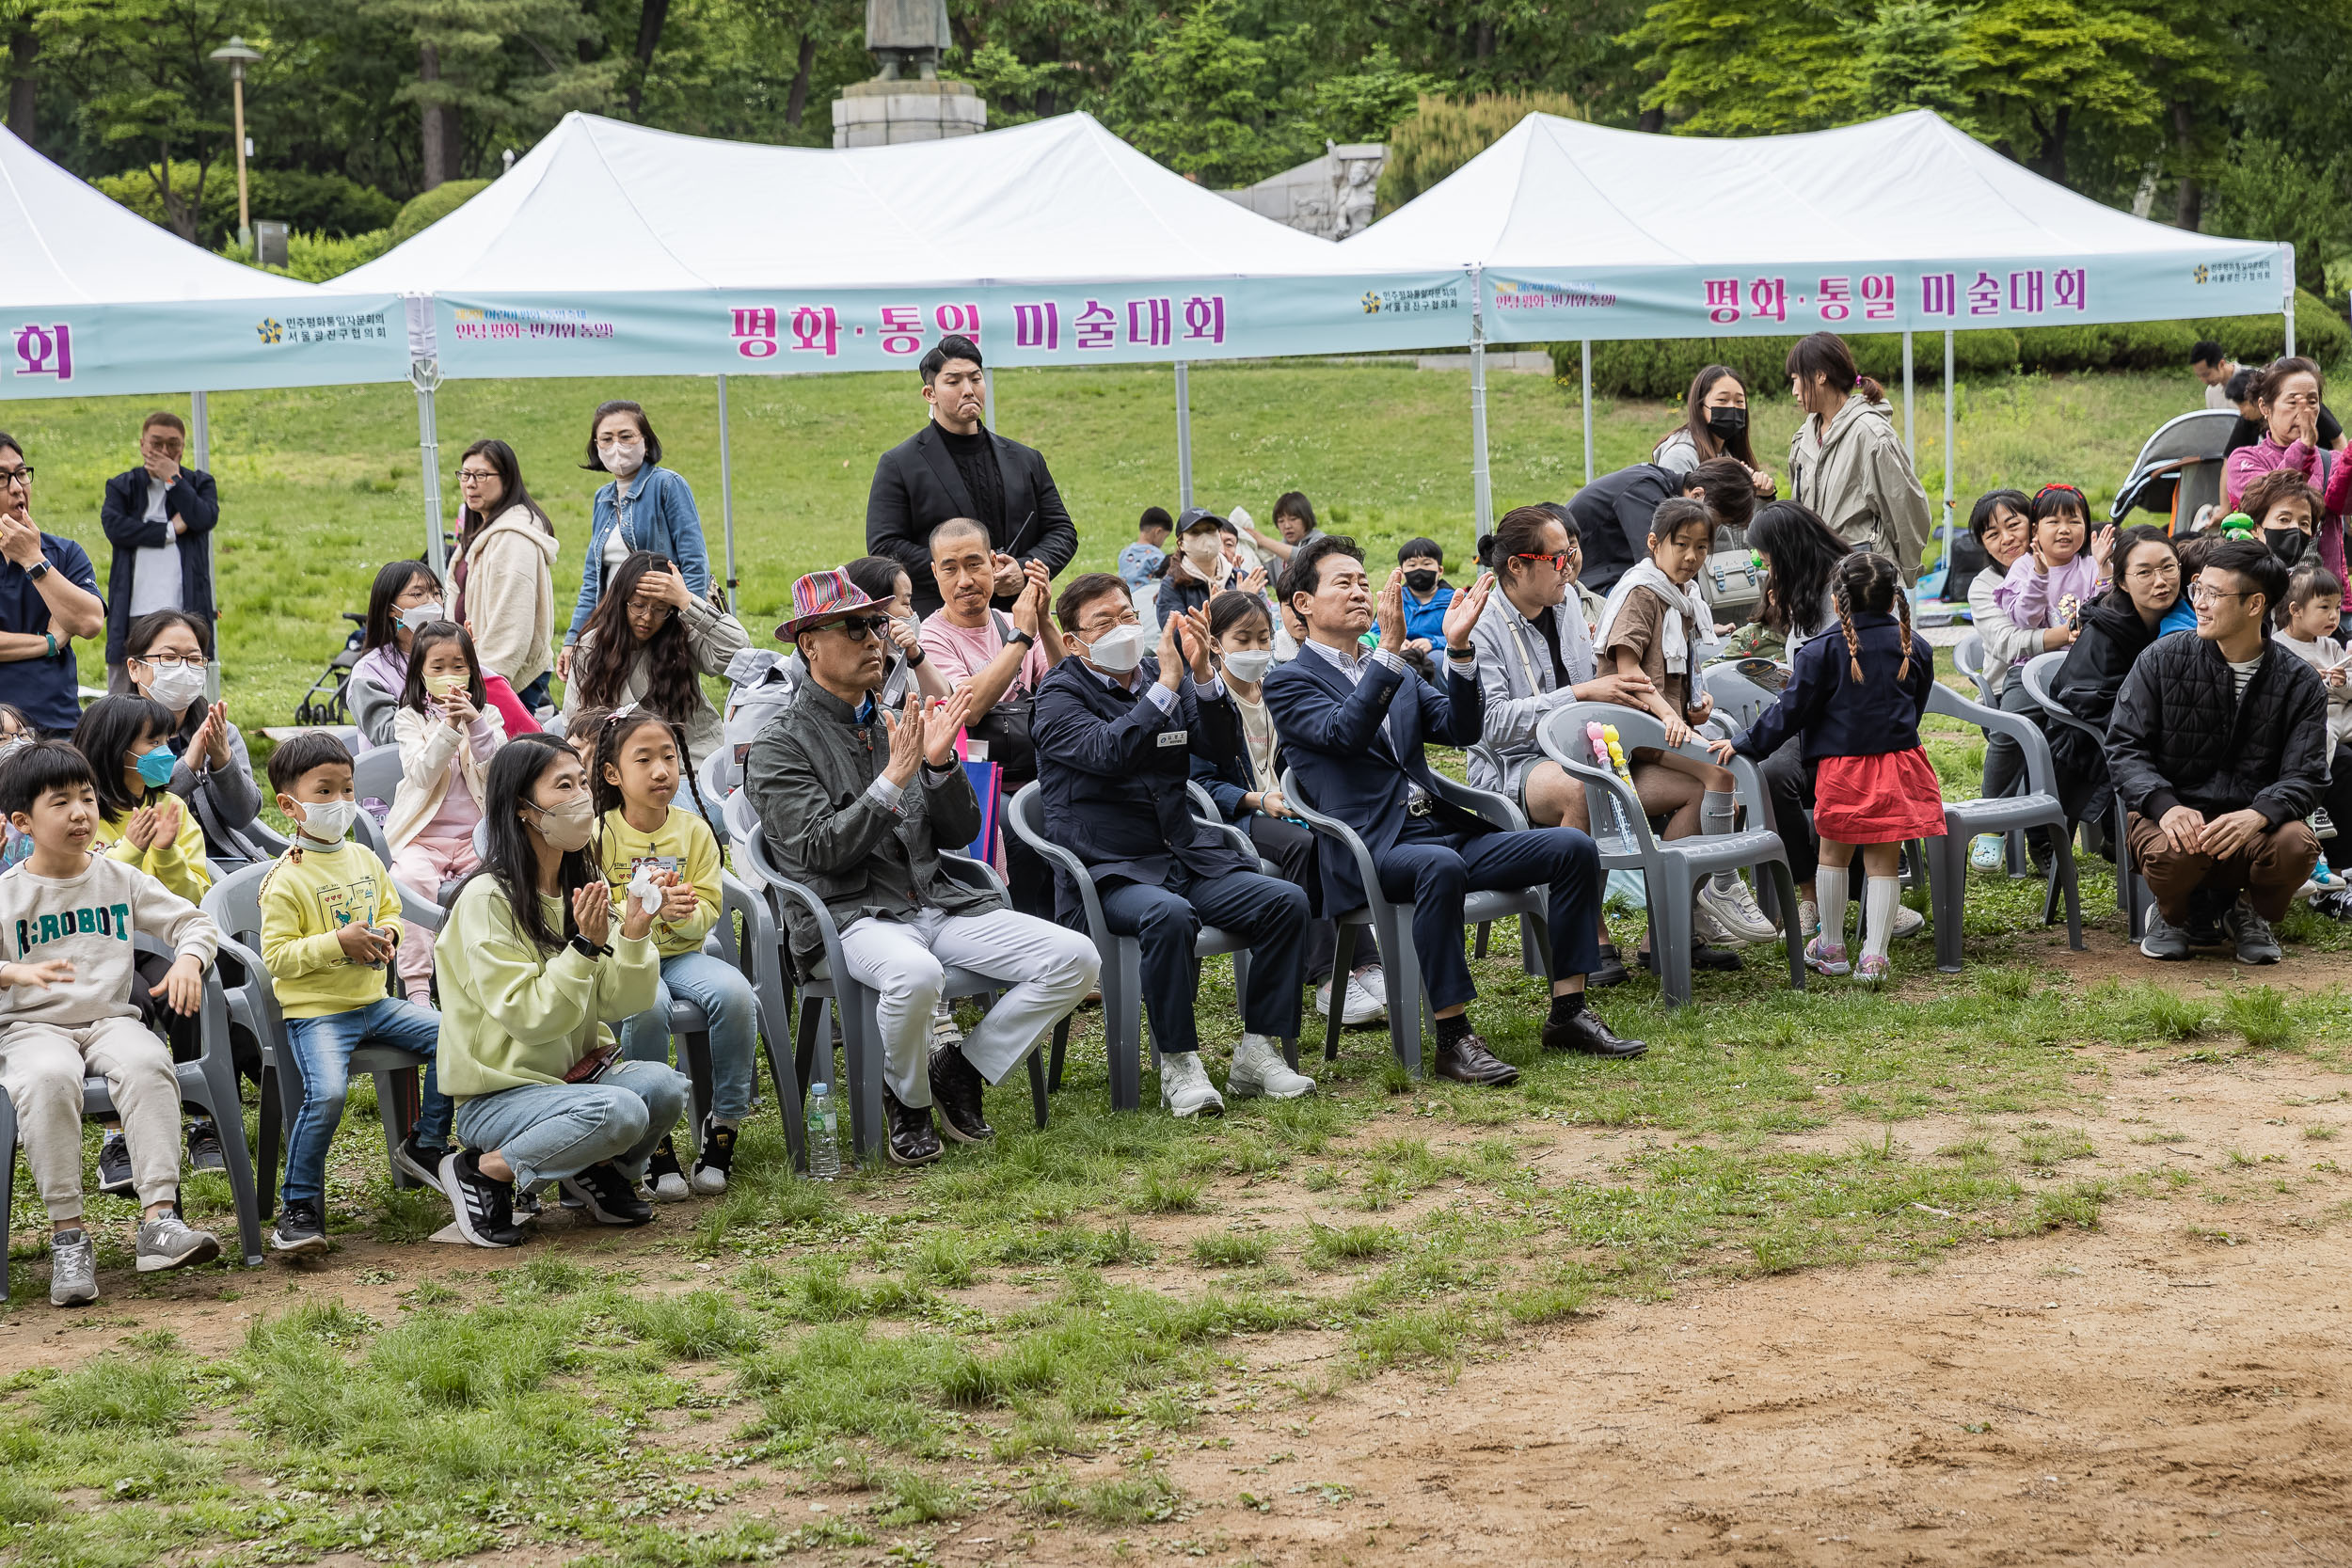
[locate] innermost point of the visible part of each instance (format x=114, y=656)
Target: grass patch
x=1228, y=1251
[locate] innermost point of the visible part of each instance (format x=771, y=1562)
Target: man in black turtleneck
x=956, y=467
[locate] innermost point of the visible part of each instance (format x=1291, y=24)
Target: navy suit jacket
x=1113, y=771
x=123, y=515
x=1356, y=749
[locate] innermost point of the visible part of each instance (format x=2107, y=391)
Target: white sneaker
x=1908, y=922
x=1808, y=919
x=943, y=1030
x=1323, y=999
x=1259, y=1068
x=1736, y=908
x=1367, y=996
x=1709, y=928
x=1184, y=1086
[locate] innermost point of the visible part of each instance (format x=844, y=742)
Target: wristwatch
x=37, y=570
x=1027, y=639
x=587, y=949
x=916, y=656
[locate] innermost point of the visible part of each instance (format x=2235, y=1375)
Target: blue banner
x=215, y=346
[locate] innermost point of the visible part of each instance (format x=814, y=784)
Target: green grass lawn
x=321, y=486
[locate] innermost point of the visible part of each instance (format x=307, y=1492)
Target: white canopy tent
x=1577, y=233
x=611, y=249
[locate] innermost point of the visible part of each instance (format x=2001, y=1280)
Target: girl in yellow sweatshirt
x=141, y=822
x=532, y=962
x=639, y=762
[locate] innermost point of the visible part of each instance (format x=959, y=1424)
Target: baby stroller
x=324, y=703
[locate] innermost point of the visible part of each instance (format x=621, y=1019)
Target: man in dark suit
x=1116, y=734
x=1353, y=726
x=955, y=467
x=159, y=518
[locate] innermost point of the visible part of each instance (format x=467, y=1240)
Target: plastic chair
x=376, y=774
x=691, y=1027
x=209, y=1084
x=1738, y=701
x=1968, y=657
x=1672, y=869
x=1393, y=920
x=2131, y=888
x=827, y=986
x=1123, y=1024
x=2010, y=815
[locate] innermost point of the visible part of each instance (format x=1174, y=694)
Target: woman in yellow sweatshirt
x=141, y=822
x=532, y=962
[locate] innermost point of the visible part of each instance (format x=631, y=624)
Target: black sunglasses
x=860, y=627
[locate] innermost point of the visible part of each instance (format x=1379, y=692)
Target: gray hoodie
x=1857, y=477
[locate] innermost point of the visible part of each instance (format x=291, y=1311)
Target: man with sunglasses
x=47, y=597
x=864, y=806
x=159, y=518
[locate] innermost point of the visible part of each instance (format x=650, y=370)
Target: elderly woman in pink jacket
x=2287, y=391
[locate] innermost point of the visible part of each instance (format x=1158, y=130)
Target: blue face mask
x=155, y=767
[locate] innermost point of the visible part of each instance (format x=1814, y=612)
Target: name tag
x=1175, y=738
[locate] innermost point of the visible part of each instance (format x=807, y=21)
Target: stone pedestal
x=878, y=114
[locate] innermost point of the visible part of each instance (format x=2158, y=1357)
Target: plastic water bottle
x=824, y=1136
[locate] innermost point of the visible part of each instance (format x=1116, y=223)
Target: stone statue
x=901, y=34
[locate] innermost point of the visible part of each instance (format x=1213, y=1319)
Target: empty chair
x=2039, y=807
x=2130, y=892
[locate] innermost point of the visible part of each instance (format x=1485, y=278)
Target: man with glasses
x=1116, y=734
x=159, y=518
x=861, y=805
x=2218, y=745
x=47, y=597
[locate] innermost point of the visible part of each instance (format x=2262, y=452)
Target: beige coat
x=510, y=597
x=713, y=637
x=1857, y=477
x=427, y=744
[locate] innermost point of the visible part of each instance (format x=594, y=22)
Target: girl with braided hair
x=1855, y=697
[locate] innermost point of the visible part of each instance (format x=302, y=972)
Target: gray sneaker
x=2251, y=932
x=2163, y=940
x=72, y=1269
x=168, y=1242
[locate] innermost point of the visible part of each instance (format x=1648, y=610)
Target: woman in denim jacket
x=647, y=507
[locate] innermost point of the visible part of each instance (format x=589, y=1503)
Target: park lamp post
x=237, y=53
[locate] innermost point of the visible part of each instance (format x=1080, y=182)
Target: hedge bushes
x=1664, y=368
x=316, y=258
x=1440, y=136
x=314, y=203
x=433, y=205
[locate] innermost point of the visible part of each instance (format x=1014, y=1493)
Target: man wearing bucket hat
x=876, y=863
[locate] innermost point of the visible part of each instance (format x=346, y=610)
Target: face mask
x=1203, y=550
x=1423, y=582
x=1249, y=664
x=622, y=459
x=441, y=686
x=1118, y=650
x=13, y=744
x=176, y=686
x=327, y=821
x=2285, y=543
x=417, y=617
x=155, y=767
x=568, y=827
x=1727, y=421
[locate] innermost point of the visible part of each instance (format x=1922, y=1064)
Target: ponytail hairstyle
x=1867, y=581
x=2308, y=581
x=613, y=734
x=1232, y=606
x=1825, y=355
x=1704, y=440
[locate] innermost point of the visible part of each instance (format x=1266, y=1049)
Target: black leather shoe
x=1583, y=1030
x=1703, y=955
x=912, y=1141
x=956, y=1086
x=1469, y=1061
x=1611, y=970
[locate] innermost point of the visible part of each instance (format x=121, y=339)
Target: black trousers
x=1166, y=919
x=1437, y=869
x=1788, y=781
x=1295, y=850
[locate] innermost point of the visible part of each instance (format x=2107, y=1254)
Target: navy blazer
x=1114, y=768
x=123, y=515
x=1837, y=718
x=1358, y=751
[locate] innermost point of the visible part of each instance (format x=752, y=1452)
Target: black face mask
x=1424, y=582
x=2286, y=543
x=1726, y=422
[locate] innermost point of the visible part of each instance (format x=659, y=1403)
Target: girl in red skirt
x=1855, y=696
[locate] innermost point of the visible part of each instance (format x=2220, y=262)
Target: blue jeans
x=719, y=989
x=550, y=1131
x=322, y=1049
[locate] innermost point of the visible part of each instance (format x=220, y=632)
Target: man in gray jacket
x=861, y=805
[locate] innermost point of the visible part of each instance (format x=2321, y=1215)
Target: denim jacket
x=659, y=515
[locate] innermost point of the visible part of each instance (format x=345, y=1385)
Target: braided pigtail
x=1902, y=614
x=1843, y=598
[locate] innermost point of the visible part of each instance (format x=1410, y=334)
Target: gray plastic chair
x=2131, y=888
x=1393, y=921
x=1738, y=701
x=376, y=774
x=1968, y=657
x=1672, y=869
x=2011, y=814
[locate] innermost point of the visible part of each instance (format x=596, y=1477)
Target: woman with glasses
x=2116, y=628
x=47, y=597
x=650, y=639
x=647, y=507
x=502, y=579
x=2287, y=393
x=167, y=654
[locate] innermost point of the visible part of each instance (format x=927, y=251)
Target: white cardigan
x=427, y=748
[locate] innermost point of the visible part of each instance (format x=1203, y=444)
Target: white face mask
x=1118, y=650
x=417, y=617
x=1204, y=550
x=623, y=458
x=327, y=821
x=176, y=686
x=1249, y=664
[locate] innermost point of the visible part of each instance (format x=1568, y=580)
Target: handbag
x=1006, y=728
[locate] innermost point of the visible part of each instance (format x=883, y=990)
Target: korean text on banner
x=223, y=345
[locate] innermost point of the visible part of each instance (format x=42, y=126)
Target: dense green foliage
x=1441, y=135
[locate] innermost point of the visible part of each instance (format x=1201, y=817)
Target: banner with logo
x=215, y=345
x=799, y=332
x=1566, y=305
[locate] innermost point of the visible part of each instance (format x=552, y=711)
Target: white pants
x=42, y=1066
x=1049, y=967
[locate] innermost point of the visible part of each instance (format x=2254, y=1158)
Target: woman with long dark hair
x=1714, y=424
x=502, y=576
x=649, y=639
x=404, y=599
x=1801, y=557
x=1846, y=461
x=533, y=961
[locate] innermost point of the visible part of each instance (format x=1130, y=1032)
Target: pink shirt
x=963, y=652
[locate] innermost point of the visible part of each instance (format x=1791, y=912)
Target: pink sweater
x=2332, y=476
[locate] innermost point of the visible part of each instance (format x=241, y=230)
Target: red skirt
x=1881, y=800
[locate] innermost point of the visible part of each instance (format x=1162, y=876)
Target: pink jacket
x=2332, y=478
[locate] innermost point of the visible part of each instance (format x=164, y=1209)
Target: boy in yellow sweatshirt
x=330, y=922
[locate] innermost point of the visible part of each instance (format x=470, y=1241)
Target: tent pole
x=1184, y=437
x=1911, y=444
x=200, y=459
x=425, y=375
x=1482, y=487
x=1587, y=401
x=1951, y=392
x=2286, y=256
x=727, y=491
x=988, y=397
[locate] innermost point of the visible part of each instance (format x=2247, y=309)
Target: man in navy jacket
x=1116, y=734
x=1353, y=727
x=159, y=518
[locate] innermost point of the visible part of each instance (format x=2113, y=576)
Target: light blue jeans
x=719, y=989
x=550, y=1130
x=323, y=1047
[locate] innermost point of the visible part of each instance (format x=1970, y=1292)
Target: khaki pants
x=2270, y=870
x=43, y=1067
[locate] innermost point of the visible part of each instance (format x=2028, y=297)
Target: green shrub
x=323, y=204
x=1440, y=136
x=434, y=205
x=316, y=258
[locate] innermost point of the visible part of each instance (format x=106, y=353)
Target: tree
x=147, y=85
x=2265, y=191
x=1363, y=104
x=510, y=65
x=1208, y=102
x=1749, y=67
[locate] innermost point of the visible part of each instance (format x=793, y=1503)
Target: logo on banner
x=1551, y=296
x=2251, y=271
x=45, y=349
x=318, y=329
x=1433, y=298
x=271, y=331
x=516, y=323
